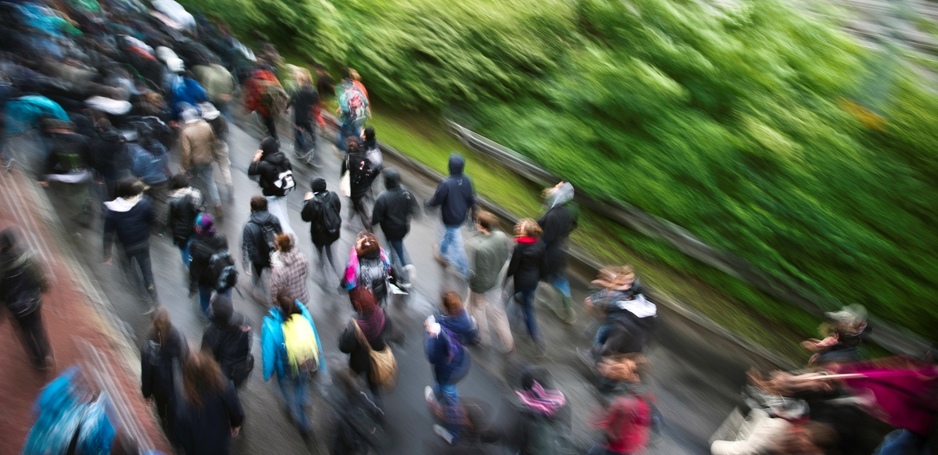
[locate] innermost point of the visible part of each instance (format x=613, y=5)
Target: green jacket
x=491, y=254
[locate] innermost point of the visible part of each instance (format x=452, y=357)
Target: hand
x=258, y=156
x=107, y=260
x=235, y=431
x=44, y=183
x=247, y=271
x=308, y=196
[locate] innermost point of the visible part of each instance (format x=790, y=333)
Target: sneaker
x=569, y=316
x=411, y=272
x=443, y=433
x=428, y=394
x=405, y=286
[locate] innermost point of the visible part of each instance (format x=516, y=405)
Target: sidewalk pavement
x=74, y=313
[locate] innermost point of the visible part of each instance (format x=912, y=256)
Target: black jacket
x=110, y=158
x=527, y=262
x=303, y=101
x=312, y=213
x=362, y=174
x=183, y=208
x=156, y=369
x=268, y=169
x=202, y=250
x=129, y=220
x=359, y=361
x=557, y=223
x=229, y=341
x=455, y=195
x=253, y=244
x=208, y=429
x=394, y=207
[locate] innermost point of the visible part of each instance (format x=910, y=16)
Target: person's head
x=486, y=221
x=456, y=164
x=179, y=181
x=318, y=185
x=352, y=145
x=851, y=319
x=363, y=300
x=624, y=367
x=284, y=242
x=161, y=324
x=129, y=187
x=54, y=125
x=527, y=227
x=204, y=224
x=392, y=178
x=200, y=376
x=367, y=245
x=222, y=309
x=347, y=74
x=353, y=75
x=369, y=133
x=269, y=146
x=287, y=305
x=452, y=303
x=258, y=204
x=619, y=278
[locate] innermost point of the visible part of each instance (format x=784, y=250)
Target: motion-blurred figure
x=393, y=211
x=130, y=218
x=185, y=204
x=490, y=262
x=228, y=339
x=289, y=270
x=22, y=283
x=369, y=267
x=369, y=329
x=209, y=411
x=258, y=242
x=322, y=209
x=353, y=108
x=558, y=222
x=275, y=177
x=164, y=349
x=525, y=268
x=456, y=199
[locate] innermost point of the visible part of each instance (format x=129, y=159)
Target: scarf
x=541, y=400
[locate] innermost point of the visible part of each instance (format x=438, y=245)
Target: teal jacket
x=273, y=349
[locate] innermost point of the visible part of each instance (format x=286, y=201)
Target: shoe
x=443, y=433
x=569, y=316
x=411, y=273
x=151, y=290
x=405, y=286
x=428, y=394
x=218, y=213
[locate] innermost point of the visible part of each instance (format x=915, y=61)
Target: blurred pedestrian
x=456, y=319
x=537, y=420
x=525, y=267
x=265, y=96
x=558, y=222
x=629, y=319
x=197, y=142
x=275, y=177
x=209, y=411
x=206, y=250
x=219, y=126
x=368, y=266
x=627, y=419
x=289, y=270
x=305, y=102
x=844, y=336
x=356, y=416
x=489, y=264
x=185, y=204
x=22, y=283
x=164, y=347
x=375, y=326
x=150, y=163
x=67, y=170
x=361, y=174
x=258, y=240
x=292, y=350
x=393, y=211
x=322, y=209
x=219, y=85
x=353, y=110
x=456, y=199
x=130, y=218
x=451, y=363
x=228, y=339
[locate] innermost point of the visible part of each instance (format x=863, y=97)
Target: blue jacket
x=273, y=350
x=455, y=195
x=150, y=164
x=449, y=358
x=461, y=326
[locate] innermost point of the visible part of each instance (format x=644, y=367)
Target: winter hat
x=204, y=224
x=270, y=146
x=318, y=185
x=222, y=309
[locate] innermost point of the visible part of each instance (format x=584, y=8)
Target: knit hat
x=222, y=309
x=318, y=185
x=270, y=146
x=204, y=224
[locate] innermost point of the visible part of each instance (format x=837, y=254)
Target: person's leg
x=206, y=183
x=300, y=399
x=205, y=299
x=34, y=338
x=478, y=309
x=142, y=256
x=330, y=254
x=559, y=281
x=270, y=122
x=448, y=397
x=530, y=320
x=457, y=252
x=223, y=160
x=184, y=252
x=277, y=206
x=498, y=318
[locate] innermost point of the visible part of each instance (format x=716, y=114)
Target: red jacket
x=626, y=424
x=255, y=91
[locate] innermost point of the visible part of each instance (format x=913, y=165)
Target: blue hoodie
x=273, y=350
x=449, y=358
x=455, y=195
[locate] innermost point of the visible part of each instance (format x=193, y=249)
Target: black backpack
x=373, y=274
x=266, y=239
x=223, y=271
x=329, y=218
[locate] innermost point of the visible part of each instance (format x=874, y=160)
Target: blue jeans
x=453, y=250
x=205, y=298
x=299, y=385
x=184, y=252
x=530, y=320
x=559, y=281
x=448, y=398
x=347, y=129
x=399, y=257
x=204, y=180
x=902, y=442
x=301, y=145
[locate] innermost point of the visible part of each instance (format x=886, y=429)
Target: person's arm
x=146, y=372
x=377, y=214
x=185, y=144
x=247, y=246
x=255, y=167
x=514, y=263
x=233, y=406
x=438, y=196
x=268, y=349
x=306, y=214
x=348, y=341
x=414, y=206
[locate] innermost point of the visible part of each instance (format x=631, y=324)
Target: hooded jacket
x=312, y=212
x=184, y=205
x=130, y=219
x=228, y=338
x=376, y=326
x=202, y=250
x=394, y=207
x=558, y=222
x=449, y=358
x=109, y=156
x=526, y=264
x=362, y=174
x=269, y=167
x=196, y=141
x=253, y=244
x=273, y=351
x=461, y=326
x=454, y=195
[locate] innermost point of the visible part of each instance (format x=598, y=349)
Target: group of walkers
x=108, y=89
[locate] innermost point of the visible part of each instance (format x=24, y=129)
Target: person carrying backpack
x=361, y=175
x=291, y=349
x=353, y=109
x=164, y=346
x=305, y=102
x=372, y=325
x=129, y=217
x=275, y=177
x=258, y=239
x=558, y=222
x=266, y=96
x=393, y=211
x=228, y=339
x=629, y=416
x=150, y=163
x=538, y=419
x=322, y=210
x=22, y=283
x=185, y=204
x=369, y=267
x=211, y=262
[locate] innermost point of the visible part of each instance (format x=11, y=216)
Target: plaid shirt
x=288, y=274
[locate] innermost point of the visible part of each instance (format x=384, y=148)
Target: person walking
x=525, y=268
x=67, y=171
x=150, y=163
x=558, y=222
x=197, y=142
x=289, y=270
x=258, y=240
x=292, y=350
x=305, y=102
x=322, y=210
x=393, y=210
x=450, y=363
x=265, y=96
x=353, y=109
x=456, y=319
x=22, y=283
x=207, y=244
x=210, y=413
x=538, y=418
x=220, y=153
x=164, y=347
x=228, y=339
x=185, y=204
x=361, y=175
x=627, y=419
x=369, y=267
x=489, y=264
x=275, y=177
x=375, y=326
x=129, y=218
x=456, y=199
x=219, y=85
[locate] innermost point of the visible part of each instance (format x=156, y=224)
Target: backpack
x=284, y=182
x=373, y=274
x=299, y=340
x=146, y=165
x=329, y=218
x=273, y=96
x=354, y=104
x=363, y=172
x=223, y=271
x=266, y=243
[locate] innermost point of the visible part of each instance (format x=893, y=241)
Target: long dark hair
x=200, y=376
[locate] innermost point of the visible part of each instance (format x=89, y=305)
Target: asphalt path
x=695, y=377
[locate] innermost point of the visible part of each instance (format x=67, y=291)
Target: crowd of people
x=115, y=93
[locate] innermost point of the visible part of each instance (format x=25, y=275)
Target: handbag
x=345, y=184
x=383, y=363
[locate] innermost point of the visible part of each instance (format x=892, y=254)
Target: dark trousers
x=140, y=253
x=358, y=206
x=32, y=333
x=301, y=146
x=270, y=121
x=325, y=252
